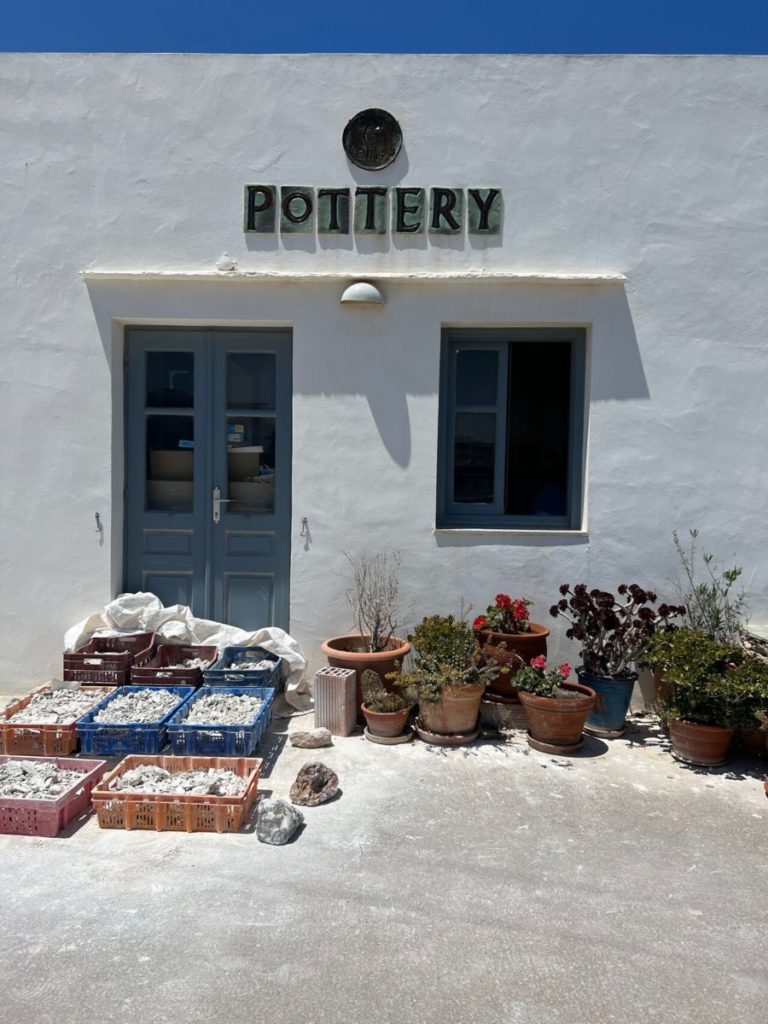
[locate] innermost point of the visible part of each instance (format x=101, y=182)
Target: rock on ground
x=312, y=738
x=277, y=821
x=315, y=784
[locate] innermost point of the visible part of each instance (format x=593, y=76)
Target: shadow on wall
x=616, y=371
x=385, y=353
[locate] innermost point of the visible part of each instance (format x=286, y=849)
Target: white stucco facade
x=634, y=206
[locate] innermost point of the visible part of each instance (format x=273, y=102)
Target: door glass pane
x=538, y=429
x=474, y=452
x=170, y=380
x=250, y=380
x=170, y=450
x=476, y=377
x=251, y=464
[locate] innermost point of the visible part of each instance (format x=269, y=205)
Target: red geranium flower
x=503, y=601
x=480, y=622
x=564, y=669
x=519, y=609
x=539, y=662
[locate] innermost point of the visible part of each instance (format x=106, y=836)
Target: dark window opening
x=511, y=428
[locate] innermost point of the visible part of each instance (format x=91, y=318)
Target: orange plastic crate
x=49, y=740
x=167, y=812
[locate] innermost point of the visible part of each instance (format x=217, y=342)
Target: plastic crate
x=165, y=668
x=49, y=817
x=221, y=740
x=108, y=659
x=29, y=738
x=166, y=812
x=128, y=737
x=220, y=674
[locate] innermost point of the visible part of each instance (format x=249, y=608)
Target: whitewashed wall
x=649, y=167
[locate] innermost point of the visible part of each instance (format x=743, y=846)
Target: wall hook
x=99, y=527
x=304, y=526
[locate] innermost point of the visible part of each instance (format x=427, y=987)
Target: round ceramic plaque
x=372, y=139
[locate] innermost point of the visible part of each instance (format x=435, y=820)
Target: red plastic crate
x=49, y=817
x=172, y=812
x=28, y=738
x=109, y=659
x=165, y=668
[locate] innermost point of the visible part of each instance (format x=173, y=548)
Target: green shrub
x=445, y=654
x=712, y=683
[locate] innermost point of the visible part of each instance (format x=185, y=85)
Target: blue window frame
x=510, y=452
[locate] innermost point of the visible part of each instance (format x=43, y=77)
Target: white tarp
x=144, y=613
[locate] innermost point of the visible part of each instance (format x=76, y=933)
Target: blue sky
x=424, y=26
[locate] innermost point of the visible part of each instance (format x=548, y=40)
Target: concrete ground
x=485, y=885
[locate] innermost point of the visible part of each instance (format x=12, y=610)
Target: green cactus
x=376, y=698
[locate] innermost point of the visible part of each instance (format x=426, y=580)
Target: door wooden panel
x=209, y=414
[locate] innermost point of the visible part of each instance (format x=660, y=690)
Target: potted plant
x=386, y=713
x=448, y=680
x=715, y=607
x=715, y=688
x=556, y=709
x=614, y=634
x=508, y=639
x=372, y=598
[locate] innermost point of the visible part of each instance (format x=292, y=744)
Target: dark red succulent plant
x=613, y=631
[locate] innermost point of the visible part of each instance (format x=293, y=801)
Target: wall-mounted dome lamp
x=363, y=292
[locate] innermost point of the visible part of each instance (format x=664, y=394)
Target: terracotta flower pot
x=456, y=711
x=700, y=744
x=386, y=723
x=506, y=649
x=559, y=721
x=348, y=652
x=502, y=714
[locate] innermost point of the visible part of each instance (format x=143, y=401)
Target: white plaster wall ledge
x=361, y=273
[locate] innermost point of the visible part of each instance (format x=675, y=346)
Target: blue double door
x=208, y=459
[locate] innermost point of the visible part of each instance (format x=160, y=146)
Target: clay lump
x=150, y=778
x=36, y=780
x=56, y=707
x=223, y=709
x=138, y=706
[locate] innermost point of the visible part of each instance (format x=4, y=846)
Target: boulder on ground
x=315, y=784
x=276, y=821
x=312, y=738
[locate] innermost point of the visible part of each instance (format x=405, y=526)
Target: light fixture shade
x=363, y=291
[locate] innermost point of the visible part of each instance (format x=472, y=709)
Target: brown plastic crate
x=49, y=740
x=48, y=817
x=177, y=812
x=164, y=667
x=102, y=660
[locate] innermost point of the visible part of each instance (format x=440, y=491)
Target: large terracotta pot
x=348, y=652
x=386, y=723
x=506, y=650
x=559, y=721
x=456, y=711
x=700, y=744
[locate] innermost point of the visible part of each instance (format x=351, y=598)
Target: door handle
x=216, y=502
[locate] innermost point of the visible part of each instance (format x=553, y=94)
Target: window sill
x=475, y=531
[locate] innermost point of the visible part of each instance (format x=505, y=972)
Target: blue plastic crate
x=128, y=737
x=220, y=674
x=221, y=740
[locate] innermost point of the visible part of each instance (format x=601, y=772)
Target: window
x=511, y=426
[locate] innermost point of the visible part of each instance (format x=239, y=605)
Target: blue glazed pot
x=613, y=697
